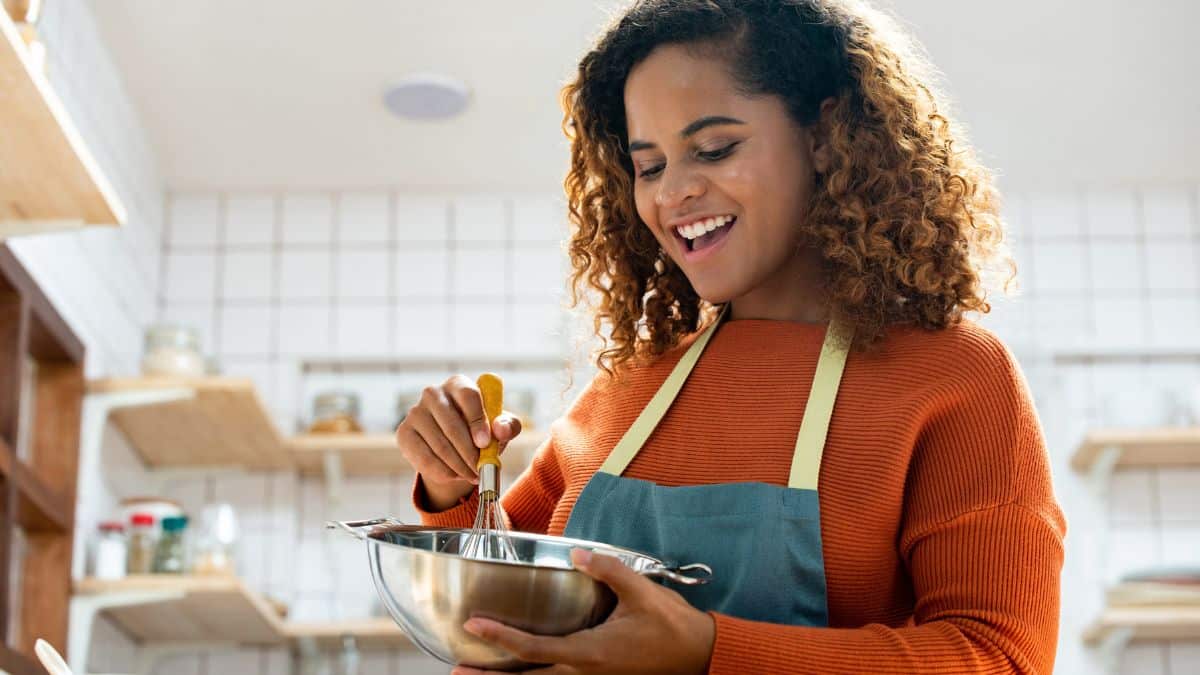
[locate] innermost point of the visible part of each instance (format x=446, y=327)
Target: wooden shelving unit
x=223, y=424
x=48, y=178
x=376, y=454
x=1173, y=622
x=221, y=610
x=1140, y=448
x=41, y=394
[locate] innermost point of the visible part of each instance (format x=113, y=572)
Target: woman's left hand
x=651, y=630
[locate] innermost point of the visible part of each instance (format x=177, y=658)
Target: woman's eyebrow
x=702, y=123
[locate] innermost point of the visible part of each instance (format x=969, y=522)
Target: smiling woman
x=783, y=232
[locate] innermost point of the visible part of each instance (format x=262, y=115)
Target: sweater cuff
x=458, y=516
x=735, y=645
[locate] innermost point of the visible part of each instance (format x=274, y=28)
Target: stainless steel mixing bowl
x=430, y=590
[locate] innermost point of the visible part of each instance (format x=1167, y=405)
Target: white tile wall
x=1100, y=268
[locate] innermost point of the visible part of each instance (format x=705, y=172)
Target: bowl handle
x=678, y=574
x=361, y=528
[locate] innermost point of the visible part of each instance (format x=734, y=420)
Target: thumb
x=626, y=583
x=505, y=427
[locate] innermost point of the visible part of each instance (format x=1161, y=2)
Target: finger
x=627, y=584
x=547, y=670
x=506, y=427
x=421, y=456
x=466, y=397
x=568, y=649
x=431, y=432
x=449, y=420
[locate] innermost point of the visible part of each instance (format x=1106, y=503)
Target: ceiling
x=267, y=94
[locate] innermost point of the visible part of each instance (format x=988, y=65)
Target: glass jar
x=170, y=555
x=172, y=350
x=335, y=412
x=110, y=551
x=143, y=538
x=218, y=535
x=404, y=401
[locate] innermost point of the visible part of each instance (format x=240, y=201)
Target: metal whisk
x=489, y=535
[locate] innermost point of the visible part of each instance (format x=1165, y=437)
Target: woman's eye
x=651, y=172
x=717, y=154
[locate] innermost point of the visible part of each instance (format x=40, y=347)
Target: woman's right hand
x=441, y=437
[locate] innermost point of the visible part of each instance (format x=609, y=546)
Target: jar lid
x=174, y=523
x=331, y=403
x=171, y=335
x=111, y=526
x=142, y=519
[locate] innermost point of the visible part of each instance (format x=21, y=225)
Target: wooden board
x=1148, y=623
x=369, y=634
x=375, y=454
x=1141, y=448
x=225, y=424
x=47, y=175
x=213, y=609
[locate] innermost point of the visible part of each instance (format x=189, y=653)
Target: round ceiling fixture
x=427, y=97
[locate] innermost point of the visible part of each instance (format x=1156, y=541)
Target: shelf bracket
x=150, y=655
x=1100, y=475
x=1111, y=647
x=96, y=409
x=84, y=609
x=334, y=475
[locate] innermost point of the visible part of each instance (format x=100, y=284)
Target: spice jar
x=170, y=555
x=172, y=350
x=335, y=412
x=217, y=538
x=143, y=538
x=110, y=551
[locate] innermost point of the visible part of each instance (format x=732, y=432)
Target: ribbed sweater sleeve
x=981, y=538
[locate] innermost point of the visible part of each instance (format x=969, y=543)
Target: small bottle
x=170, y=554
x=110, y=551
x=143, y=537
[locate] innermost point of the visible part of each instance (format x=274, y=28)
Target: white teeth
x=698, y=228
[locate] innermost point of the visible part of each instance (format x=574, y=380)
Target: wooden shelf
x=217, y=609
x=1141, y=448
x=1174, y=622
x=39, y=508
x=375, y=454
x=48, y=178
x=209, y=609
x=369, y=634
x=223, y=424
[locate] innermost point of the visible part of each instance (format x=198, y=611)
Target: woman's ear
x=822, y=154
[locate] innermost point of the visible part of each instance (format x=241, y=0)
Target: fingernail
x=583, y=556
x=481, y=438
x=472, y=627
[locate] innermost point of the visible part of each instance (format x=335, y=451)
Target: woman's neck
x=792, y=293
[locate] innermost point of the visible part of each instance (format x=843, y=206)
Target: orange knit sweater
x=941, y=534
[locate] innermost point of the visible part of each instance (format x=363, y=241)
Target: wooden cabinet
x=41, y=392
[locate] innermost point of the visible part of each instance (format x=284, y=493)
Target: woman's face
x=700, y=150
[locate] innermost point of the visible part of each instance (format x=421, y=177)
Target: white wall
x=1100, y=268
x=1112, y=269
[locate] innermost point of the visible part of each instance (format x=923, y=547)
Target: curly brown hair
x=906, y=218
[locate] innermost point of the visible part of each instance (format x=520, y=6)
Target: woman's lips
x=693, y=255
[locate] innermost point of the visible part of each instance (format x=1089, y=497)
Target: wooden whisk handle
x=492, y=388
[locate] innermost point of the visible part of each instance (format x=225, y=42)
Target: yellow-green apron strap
x=636, y=436
x=810, y=442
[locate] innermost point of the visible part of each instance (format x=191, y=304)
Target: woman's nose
x=676, y=186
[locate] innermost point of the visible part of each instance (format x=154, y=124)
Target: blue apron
x=762, y=541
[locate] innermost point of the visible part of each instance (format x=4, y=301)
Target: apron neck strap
x=810, y=442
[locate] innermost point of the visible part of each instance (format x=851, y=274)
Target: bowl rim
x=594, y=546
